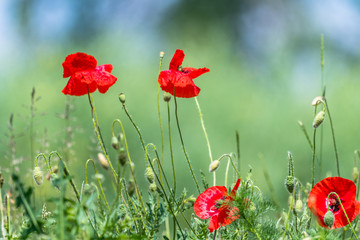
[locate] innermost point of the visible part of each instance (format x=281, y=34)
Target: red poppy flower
x=215, y=203
x=346, y=190
x=84, y=74
x=180, y=79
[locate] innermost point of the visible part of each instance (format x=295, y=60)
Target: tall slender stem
x=159, y=113
x=171, y=150
x=183, y=147
x=98, y=134
x=313, y=159
x=206, y=136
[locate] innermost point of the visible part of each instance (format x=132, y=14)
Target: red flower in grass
x=345, y=189
x=215, y=203
x=84, y=74
x=180, y=79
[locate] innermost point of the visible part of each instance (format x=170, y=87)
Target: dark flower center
x=180, y=68
x=334, y=203
x=219, y=202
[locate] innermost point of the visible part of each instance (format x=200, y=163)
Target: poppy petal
x=78, y=62
x=177, y=60
x=214, y=224
x=106, y=67
x=77, y=88
x=204, y=206
x=195, y=72
x=237, y=184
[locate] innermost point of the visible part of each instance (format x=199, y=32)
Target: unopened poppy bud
x=149, y=174
x=38, y=175
x=355, y=174
x=54, y=179
x=290, y=183
x=319, y=118
x=130, y=188
x=103, y=162
x=299, y=206
x=162, y=54
x=122, y=156
x=214, y=165
x=54, y=169
x=167, y=97
x=317, y=100
x=122, y=98
x=115, y=142
x=329, y=219
x=152, y=187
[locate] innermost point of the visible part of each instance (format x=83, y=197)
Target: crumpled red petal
x=195, y=72
x=77, y=88
x=175, y=81
x=78, y=62
x=346, y=190
x=177, y=59
x=204, y=206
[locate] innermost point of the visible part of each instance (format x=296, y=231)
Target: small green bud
x=329, y=219
x=115, y=142
x=152, y=187
x=122, y=156
x=319, y=118
x=317, y=100
x=167, y=97
x=149, y=174
x=214, y=165
x=103, y=161
x=355, y=174
x=54, y=179
x=290, y=183
x=38, y=175
x=122, y=98
x=130, y=188
x=299, y=206
x=162, y=54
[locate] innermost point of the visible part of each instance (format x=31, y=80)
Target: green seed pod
x=122, y=156
x=214, y=165
x=290, y=183
x=329, y=219
x=167, y=97
x=130, y=188
x=122, y=98
x=149, y=174
x=38, y=175
x=355, y=174
x=152, y=187
x=299, y=206
x=319, y=118
x=115, y=142
x=54, y=179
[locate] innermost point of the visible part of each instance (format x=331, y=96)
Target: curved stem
x=183, y=146
x=98, y=180
x=232, y=162
x=47, y=162
x=98, y=134
x=206, y=136
x=171, y=150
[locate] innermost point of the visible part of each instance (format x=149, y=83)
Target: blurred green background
x=264, y=58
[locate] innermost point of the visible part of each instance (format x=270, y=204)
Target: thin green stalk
x=183, y=146
x=306, y=134
x=8, y=214
x=138, y=194
x=238, y=147
x=313, y=159
x=288, y=215
x=232, y=163
x=99, y=182
x=98, y=133
x=206, y=136
x=227, y=171
x=159, y=113
x=342, y=207
x=47, y=162
x=333, y=137
x=171, y=150
x=2, y=215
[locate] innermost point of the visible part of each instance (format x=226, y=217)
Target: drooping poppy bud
x=152, y=187
x=319, y=118
x=122, y=98
x=122, y=156
x=103, y=162
x=131, y=187
x=149, y=174
x=329, y=219
x=54, y=179
x=115, y=142
x=214, y=165
x=38, y=175
x=299, y=205
x=167, y=97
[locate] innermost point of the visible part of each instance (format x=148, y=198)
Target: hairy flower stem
x=98, y=180
x=138, y=194
x=333, y=137
x=159, y=114
x=183, y=146
x=67, y=174
x=98, y=134
x=288, y=215
x=206, y=136
x=171, y=150
x=342, y=207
